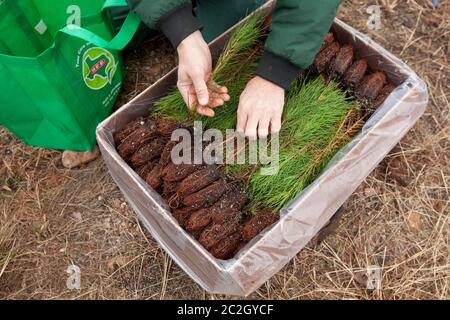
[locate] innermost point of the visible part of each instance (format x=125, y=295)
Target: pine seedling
x=313, y=131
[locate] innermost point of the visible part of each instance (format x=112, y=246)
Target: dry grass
x=398, y=219
x=7, y=242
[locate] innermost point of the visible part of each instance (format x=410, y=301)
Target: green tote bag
x=60, y=69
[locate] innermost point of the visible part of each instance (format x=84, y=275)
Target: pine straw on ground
x=398, y=219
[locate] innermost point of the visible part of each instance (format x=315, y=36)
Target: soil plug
x=148, y=152
x=225, y=249
x=384, y=93
x=343, y=60
x=130, y=128
x=232, y=201
x=198, y=180
x=177, y=172
x=135, y=141
x=324, y=57
x=145, y=169
x=199, y=219
x=215, y=233
x=371, y=86
x=153, y=178
x=182, y=215
x=258, y=223
x=355, y=74
x=206, y=196
x=329, y=39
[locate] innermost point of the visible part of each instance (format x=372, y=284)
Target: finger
x=225, y=97
x=214, y=86
x=189, y=96
x=263, y=126
x=222, y=96
x=184, y=93
x=275, y=123
x=250, y=128
x=221, y=89
x=241, y=120
x=205, y=111
x=192, y=99
x=201, y=90
x=214, y=103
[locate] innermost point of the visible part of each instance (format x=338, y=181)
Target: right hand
x=194, y=76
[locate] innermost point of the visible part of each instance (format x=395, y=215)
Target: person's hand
x=194, y=73
x=260, y=108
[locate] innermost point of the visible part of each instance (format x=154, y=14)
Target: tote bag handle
x=122, y=38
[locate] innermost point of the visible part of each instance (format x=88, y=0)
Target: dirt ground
x=398, y=219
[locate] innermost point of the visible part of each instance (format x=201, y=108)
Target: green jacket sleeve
x=296, y=34
x=174, y=18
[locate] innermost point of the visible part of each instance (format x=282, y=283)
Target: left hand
x=194, y=76
x=260, y=108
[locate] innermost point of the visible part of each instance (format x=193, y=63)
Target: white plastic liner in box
x=307, y=213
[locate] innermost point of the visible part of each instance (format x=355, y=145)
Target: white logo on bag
x=99, y=68
x=75, y=16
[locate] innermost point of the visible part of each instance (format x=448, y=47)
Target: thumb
x=201, y=90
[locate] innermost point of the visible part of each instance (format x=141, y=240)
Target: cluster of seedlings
x=213, y=203
x=338, y=62
x=206, y=203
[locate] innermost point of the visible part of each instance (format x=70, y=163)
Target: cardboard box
x=308, y=212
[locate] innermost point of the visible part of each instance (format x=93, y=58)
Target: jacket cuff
x=178, y=24
x=277, y=70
